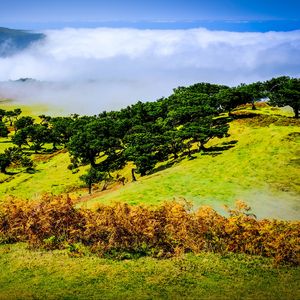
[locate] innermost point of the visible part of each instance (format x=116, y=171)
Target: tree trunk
x=132, y=174
x=90, y=188
x=92, y=162
x=253, y=105
x=296, y=111
x=201, y=147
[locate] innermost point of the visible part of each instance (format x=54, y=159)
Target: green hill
x=258, y=163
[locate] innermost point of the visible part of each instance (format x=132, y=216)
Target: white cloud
x=104, y=68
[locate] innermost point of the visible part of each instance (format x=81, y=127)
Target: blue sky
x=262, y=15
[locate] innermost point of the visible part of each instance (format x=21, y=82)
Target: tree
x=4, y=162
x=229, y=99
x=13, y=115
x=38, y=135
x=16, y=156
x=20, y=138
x=93, y=176
x=23, y=122
x=94, y=136
x=3, y=130
x=141, y=149
x=287, y=93
x=2, y=114
x=256, y=90
x=61, y=129
x=204, y=129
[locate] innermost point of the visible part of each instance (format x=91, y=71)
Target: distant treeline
x=144, y=133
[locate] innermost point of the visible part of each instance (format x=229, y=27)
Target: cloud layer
x=89, y=70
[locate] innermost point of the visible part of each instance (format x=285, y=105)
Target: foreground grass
x=55, y=275
x=261, y=169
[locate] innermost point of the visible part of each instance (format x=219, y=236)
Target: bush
x=124, y=231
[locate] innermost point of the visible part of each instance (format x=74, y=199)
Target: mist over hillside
x=88, y=70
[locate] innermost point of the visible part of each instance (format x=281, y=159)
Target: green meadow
x=55, y=275
x=257, y=163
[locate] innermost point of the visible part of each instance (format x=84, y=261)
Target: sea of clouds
x=90, y=70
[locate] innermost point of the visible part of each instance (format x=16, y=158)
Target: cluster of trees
x=146, y=133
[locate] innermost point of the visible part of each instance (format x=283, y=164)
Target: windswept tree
x=231, y=98
x=255, y=90
x=5, y=161
x=287, y=93
x=93, y=176
x=2, y=114
x=93, y=138
x=15, y=156
x=38, y=135
x=20, y=138
x=202, y=130
x=61, y=130
x=141, y=148
x=12, y=115
x=23, y=122
x=3, y=130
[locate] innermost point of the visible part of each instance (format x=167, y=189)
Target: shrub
x=124, y=231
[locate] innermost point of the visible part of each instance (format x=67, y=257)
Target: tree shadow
x=243, y=115
x=212, y=151
x=167, y=165
x=217, y=150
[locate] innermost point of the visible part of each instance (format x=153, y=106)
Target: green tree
x=202, y=130
x=3, y=130
x=229, y=99
x=287, y=93
x=23, y=122
x=14, y=156
x=94, y=137
x=255, y=90
x=141, y=148
x=38, y=135
x=93, y=176
x=20, y=138
x=2, y=114
x=4, y=162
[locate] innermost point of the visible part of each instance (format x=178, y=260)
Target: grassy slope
x=54, y=275
x=260, y=169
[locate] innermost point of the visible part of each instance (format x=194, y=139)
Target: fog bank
x=90, y=70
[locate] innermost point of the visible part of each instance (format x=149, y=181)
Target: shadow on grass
x=168, y=165
x=216, y=150
x=212, y=151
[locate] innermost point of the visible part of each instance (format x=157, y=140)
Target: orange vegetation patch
x=163, y=231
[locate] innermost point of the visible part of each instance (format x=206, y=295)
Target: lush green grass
x=261, y=169
x=54, y=275
x=51, y=175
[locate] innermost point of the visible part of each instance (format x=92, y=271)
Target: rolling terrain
x=258, y=163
